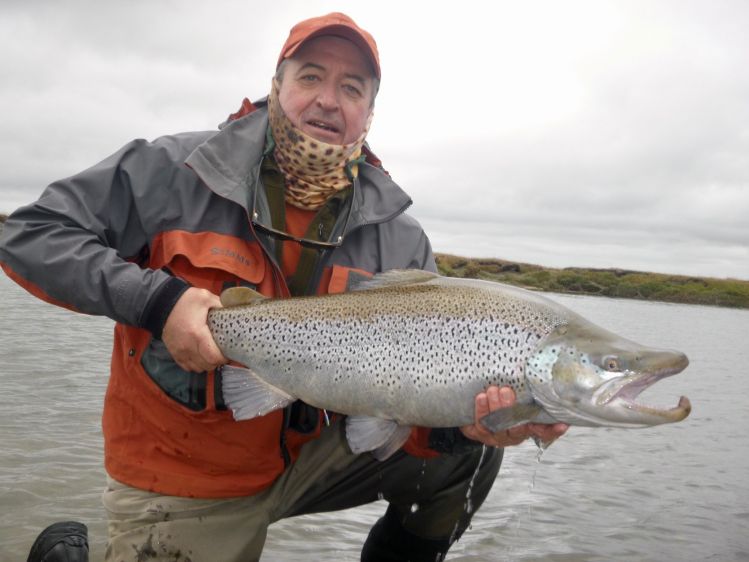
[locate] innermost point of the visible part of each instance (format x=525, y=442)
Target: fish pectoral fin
x=505, y=418
x=238, y=296
x=382, y=436
x=248, y=396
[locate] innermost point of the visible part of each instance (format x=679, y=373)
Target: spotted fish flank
x=411, y=348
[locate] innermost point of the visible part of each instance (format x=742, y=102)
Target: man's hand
x=495, y=398
x=186, y=333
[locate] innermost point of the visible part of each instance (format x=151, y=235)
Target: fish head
x=584, y=375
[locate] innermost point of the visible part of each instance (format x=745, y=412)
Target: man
x=286, y=198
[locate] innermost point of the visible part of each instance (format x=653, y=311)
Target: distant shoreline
x=615, y=283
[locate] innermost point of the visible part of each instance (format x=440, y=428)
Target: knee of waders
x=388, y=541
x=64, y=541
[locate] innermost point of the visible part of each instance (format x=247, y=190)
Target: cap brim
x=344, y=32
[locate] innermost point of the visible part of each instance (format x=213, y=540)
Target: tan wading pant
x=325, y=477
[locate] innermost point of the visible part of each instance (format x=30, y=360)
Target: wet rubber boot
x=388, y=541
x=64, y=541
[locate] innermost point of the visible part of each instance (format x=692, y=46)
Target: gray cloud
x=576, y=133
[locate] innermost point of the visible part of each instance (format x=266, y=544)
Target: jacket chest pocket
x=209, y=260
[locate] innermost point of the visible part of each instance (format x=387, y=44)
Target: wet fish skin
x=412, y=348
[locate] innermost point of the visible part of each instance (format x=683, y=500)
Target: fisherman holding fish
x=286, y=199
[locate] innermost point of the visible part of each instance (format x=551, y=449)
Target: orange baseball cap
x=337, y=24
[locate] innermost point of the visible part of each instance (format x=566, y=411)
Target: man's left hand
x=495, y=398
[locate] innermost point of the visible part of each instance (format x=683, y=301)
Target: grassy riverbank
x=618, y=283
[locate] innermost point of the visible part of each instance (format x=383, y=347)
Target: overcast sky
x=563, y=133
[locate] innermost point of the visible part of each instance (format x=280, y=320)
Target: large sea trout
x=411, y=348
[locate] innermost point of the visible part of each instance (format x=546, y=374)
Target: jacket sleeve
x=405, y=245
x=424, y=256
x=78, y=246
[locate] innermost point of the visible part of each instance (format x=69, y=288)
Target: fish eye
x=610, y=363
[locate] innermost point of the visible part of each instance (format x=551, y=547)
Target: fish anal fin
x=396, y=441
x=383, y=436
x=505, y=418
x=238, y=296
x=248, y=396
x=395, y=278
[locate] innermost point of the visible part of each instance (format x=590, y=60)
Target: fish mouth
x=626, y=389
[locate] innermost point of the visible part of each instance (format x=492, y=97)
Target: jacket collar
x=228, y=163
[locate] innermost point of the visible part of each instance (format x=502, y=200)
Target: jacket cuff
x=451, y=441
x=161, y=305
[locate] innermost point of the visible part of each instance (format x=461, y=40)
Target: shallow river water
x=676, y=492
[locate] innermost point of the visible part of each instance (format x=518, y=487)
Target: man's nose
x=327, y=97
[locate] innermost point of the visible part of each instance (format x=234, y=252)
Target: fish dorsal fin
x=237, y=296
x=395, y=278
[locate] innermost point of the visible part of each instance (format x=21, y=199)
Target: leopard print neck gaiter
x=314, y=170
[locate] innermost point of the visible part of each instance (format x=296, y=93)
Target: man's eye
x=310, y=78
x=353, y=90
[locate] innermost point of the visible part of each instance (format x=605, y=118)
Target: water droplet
x=380, y=496
x=539, y=455
x=414, y=507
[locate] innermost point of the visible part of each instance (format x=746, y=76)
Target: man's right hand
x=186, y=333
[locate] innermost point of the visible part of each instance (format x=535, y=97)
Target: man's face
x=327, y=90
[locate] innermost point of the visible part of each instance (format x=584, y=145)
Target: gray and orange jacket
x=126, y=237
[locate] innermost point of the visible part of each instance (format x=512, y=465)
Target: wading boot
x=64, y=541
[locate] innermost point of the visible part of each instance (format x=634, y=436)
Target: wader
x=426, y=513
